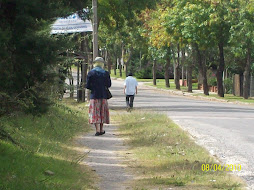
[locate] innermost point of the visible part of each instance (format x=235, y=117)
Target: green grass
x=164, y=156
x=230, y=98
x=47, y=143
x=145, y=80
x=112, y=74
x=160, y=83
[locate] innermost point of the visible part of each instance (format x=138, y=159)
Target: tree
x=188, y=22
x=28, y=50
x=118, y=19
x=220, y=24
x=242, y=34
x=157, y=36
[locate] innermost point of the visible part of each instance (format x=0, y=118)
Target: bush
x=148, y=74
x=228, y=83
x=212, y=81
x=144, y=74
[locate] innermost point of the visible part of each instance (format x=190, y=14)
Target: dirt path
x=106, y=157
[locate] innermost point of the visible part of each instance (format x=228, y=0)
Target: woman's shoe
x=102, y=133
x=97, y=133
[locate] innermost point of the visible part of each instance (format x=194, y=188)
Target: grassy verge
x=164, y=156
x=46, y=145
x=112, y=74
x=160, y=83
x=229, y=98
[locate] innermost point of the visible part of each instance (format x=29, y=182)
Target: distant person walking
x=130, y=88
x=98, y=80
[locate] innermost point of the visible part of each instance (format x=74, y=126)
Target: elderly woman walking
x=98, y=81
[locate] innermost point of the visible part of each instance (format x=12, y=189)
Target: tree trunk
x=202, y=68
x=126, y=68
x=84, y=48
x=220, y=71
x=88, y=67
x=95, y=29
x=115, y=67
x=78, y=77
x=84, y=68
x=168, y=62
x=177, y=69
x=120, y=69
x=189, y=70
x=183, y=63
x=189, y=77
x=71, y=83
x=205, y=84
x=122, y=61
x=140, y=63
x=127, y=63
x=119, y=65
x=167, y=72
x=109, y=62
x=183, y=75
x=246, y=76
x=154, y=72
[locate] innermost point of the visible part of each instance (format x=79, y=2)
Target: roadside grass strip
x=112, y=74
x=163, y=155
x=46, y=157
x=160, y=83
x=230, y=98
x=227, y=97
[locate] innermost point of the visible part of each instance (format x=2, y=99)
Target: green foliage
x=47, y=144
x=120, y=29
x=144, y=73
x=228, y=84
x=212, y=81
x=115, y=13
x=29, y=54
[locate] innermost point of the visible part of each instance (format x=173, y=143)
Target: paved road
x=226, y=130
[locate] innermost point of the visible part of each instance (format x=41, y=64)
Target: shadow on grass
x=24, y=171
x=167, y=157
x=185, y=173
x=45, y=139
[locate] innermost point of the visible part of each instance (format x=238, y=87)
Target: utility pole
x=95, y=30
x=95, y=36
x=81, y=88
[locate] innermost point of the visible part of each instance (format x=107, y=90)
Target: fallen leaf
x=48, y=172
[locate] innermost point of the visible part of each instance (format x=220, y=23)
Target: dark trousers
x=129, y=101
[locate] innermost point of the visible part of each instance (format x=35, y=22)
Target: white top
x=131, y=84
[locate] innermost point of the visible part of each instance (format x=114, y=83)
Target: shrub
x=228, y=83
x=144, y=74
x=212, y=81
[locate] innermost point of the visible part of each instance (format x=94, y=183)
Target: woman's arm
x=88, y=81
x=108, y=80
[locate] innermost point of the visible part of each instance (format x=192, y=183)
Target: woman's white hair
x=98, y=64
x=98, y=61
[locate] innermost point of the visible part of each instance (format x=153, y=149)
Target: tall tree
x=28, y=50
x=220, y=24
x=157, y=36
x=242, y=35
x=119, y=20
x=188, y=22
